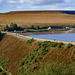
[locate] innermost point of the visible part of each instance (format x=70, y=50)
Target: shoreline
x=42, y=33
x=37, y=39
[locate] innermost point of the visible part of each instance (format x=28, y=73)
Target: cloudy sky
x=24, y=5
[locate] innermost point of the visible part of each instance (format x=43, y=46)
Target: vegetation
x=3, y=63
x=69, y=45
x=28, y=64
x=38, y=27
x=42, y=18
x=36, y=58
x=1, y=35
x=3, y=53
x=3, y=72
x=13, y=27
x=55, y=69
x=30, y=41
x=32, y=27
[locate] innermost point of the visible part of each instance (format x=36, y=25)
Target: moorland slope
x=41, y=18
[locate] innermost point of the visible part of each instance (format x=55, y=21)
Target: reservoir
x=68, y=37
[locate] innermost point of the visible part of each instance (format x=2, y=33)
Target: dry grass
x=61, y=55
x=42, y=18
x=15, y=49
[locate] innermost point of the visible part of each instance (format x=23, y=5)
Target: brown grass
x=42, y=18
x=61, y=55
x=15, y=48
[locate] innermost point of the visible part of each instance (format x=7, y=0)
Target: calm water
x=70, y=37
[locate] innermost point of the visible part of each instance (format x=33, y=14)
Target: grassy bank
x=28, y=57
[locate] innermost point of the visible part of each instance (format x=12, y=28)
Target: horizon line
x=36, y=10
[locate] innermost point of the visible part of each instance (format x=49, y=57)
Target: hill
x=23, y=57
x=41, y=18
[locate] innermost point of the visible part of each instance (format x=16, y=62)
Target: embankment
x=19, y=56
x=12, y=50
x=37, y=39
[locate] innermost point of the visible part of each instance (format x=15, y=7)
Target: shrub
x=21, y=70
x=26, y=62
x=33, y=61
x=32, y=27
x=0, y=70
x=53, y=44
x=24, y=55
x=35, y=50
x=59, y=45
x=56, y=69
x=4, y=52
x=1, y=35
x=30, y=41
x=34, y=68
x=3, y=63
x=69, y=45
x=29, y=54
x=39, y=58
x=3, y=73
x=22, y=62
x=39, y=44
x=32, y=56
x=38, y=27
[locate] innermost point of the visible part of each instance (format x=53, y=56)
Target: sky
x=30, y=5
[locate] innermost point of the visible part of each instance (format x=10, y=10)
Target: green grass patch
x=56, y=69
x=3, y=63
x=3, y=53
x=29, y=42
x=69, y=45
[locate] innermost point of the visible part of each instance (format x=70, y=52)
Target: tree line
x=13, y=27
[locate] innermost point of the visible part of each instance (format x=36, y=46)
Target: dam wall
x=37, y=39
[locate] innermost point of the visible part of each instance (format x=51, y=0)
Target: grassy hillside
x=41, y=18
x=25, y=57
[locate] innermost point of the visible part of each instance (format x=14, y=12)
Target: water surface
x=69, y=37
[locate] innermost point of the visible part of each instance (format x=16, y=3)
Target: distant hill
x=68, y=12
x=40, y=12
x=41, y=18
x=32, y=12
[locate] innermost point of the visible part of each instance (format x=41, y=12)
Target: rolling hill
x=41, y=18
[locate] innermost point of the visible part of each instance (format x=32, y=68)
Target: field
x=41, y=18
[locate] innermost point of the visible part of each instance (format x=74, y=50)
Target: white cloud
x=21, y=1
x=37, y=5
x=19, y=7
x=47, y=2
x=12, y=1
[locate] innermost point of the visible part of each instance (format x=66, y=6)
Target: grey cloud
x=47, y=2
